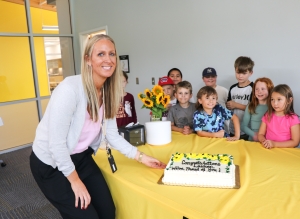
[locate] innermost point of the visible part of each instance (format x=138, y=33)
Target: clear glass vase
x=154, y=118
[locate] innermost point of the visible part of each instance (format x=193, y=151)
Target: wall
x=16, y=78
x=191, y=35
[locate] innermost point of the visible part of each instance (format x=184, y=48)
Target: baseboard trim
x=15, y=148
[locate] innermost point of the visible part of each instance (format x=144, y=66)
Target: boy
x=209, y=77
x=181, y=115
x=168, y=87
x=240, y=93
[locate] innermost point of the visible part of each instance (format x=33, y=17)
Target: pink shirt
x=279, y=127
x=89, y=132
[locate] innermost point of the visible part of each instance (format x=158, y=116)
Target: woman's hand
x=149, y=161
x=79, y=190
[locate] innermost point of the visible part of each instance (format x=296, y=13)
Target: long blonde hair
x=112, y=87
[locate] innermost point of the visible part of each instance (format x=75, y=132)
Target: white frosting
x=202, y=170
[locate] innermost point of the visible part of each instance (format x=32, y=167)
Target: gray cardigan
x=58, y=132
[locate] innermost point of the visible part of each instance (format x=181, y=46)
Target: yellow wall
x=20, y=122
x=41, y=65
x=15, y=69
x=16, y=77
x=12, y=18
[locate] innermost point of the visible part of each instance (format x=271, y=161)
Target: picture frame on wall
x=124, y=62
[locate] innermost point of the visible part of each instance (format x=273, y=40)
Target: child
x=257, y=107
x=126, y=113
x=181, y=115
x=168, y=87
x=176, y=75
x=209, y=77
x=280, y=125
x=240, y=93
x=210, y=116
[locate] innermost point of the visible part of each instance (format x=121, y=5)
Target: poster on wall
x=124, y=61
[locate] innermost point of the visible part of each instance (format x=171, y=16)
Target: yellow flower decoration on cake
x=178, y=157
x=192, y=156
x=224, y=159
x=212, y=157
x=204, y=155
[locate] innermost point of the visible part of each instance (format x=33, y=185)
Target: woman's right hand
x=79, y=190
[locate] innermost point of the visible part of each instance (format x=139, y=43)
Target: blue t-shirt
x=211, y=123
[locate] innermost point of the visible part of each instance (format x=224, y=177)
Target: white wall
x=194, y=34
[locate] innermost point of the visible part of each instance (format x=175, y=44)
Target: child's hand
x=235, y=138
x=255, y=136
x=186, y=130
x=268, y=144
x=169, y=106
x=219, y=134
x=230, y=105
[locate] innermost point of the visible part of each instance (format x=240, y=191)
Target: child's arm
x=295, y=133
x=236, y=124
x=219, y=134
x=175, y=128
x=261, y=136
x=234, y=105
x=244, y=126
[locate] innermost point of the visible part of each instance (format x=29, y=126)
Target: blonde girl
x=280, y=125
x=257, y=107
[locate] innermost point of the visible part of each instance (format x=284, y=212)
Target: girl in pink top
x=280, y=125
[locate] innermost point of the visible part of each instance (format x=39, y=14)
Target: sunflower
x=147, y=102
x=166, y=101
x=148, y=93
x=157, y=90
x=159, y=98
x=141, y=96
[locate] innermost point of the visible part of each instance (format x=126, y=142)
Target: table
x=270, y=183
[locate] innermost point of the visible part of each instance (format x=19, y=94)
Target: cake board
x=237, y=181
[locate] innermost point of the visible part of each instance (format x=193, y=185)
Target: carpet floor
x=20, y=196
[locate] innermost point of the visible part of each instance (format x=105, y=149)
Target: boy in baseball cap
x=168, y=87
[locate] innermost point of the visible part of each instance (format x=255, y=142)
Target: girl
x=280, y=125
x=176, y=75
x=210, y=116
x=257, y=107
x=126, y=113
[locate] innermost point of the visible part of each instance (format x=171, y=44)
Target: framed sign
x=124, y=61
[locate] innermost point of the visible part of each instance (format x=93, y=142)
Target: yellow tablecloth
x=270, y=183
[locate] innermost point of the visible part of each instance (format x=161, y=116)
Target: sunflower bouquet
x=155, y=100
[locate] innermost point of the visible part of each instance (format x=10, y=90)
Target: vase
x=154, y=118
x=158, y=132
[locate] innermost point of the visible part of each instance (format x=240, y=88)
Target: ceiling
x=42, y=4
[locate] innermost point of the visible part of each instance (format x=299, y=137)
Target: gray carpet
x=20, y=197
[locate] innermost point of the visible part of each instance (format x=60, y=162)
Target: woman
x=70, y=132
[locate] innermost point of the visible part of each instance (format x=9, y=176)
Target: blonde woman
x=70, y=132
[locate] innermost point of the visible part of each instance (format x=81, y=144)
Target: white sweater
x=58, y=132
